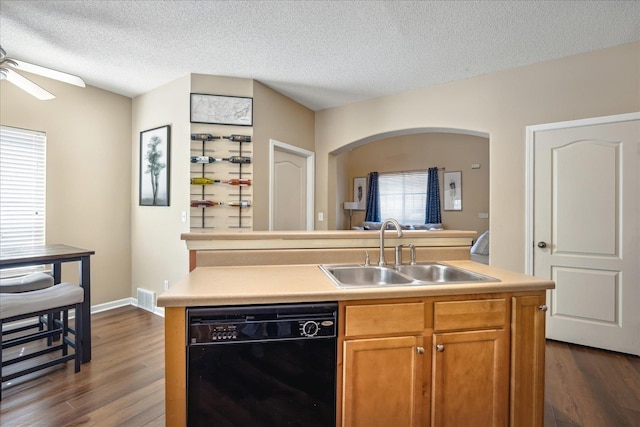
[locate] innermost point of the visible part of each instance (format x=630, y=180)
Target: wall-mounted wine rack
x=221, y=189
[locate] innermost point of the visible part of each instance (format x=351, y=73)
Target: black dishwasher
x=262, y=365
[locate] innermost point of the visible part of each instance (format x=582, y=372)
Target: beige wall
x=280, y=118
x=501, y=104
x=88, y=175
x=454, y=152
x=157, y=254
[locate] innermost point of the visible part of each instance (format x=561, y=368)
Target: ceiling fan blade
x=48, y=72
x=26, y=84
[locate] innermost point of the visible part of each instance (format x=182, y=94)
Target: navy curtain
x=373, y=199
x=432, y=214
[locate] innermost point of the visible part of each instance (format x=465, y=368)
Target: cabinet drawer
x=381, y=319
x=479, y=314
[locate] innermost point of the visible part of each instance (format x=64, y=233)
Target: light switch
x=320, y=216
x=483, y=215
x=475, y=165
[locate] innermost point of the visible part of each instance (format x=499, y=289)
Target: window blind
x=22, y=187
x=403, y=195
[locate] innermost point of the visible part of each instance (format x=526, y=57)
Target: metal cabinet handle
x=542, y=245
x=543, y=307
x=440, y=348
x=420, y=350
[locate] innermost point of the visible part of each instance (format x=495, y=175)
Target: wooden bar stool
x=37, y=304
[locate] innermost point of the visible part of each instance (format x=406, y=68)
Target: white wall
x=501, y=104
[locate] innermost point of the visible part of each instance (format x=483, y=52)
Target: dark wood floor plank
x=123, y=385
x=616, y=384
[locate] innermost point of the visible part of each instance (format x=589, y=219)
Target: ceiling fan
x=8, y=71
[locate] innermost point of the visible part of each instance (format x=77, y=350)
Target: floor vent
x=146, y=299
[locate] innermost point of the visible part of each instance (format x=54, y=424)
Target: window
x=22, y=188
x=403, y=196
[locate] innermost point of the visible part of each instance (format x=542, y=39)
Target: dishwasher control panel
x=261, y=323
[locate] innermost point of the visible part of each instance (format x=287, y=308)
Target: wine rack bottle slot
x=221, y=169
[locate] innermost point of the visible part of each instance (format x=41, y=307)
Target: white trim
x=529, y=169
x=112, y=304
x=310, y=156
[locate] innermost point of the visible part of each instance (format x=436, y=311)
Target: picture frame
x=453, y=191
x=155, y=145
x=221, y=109
x=360, y=192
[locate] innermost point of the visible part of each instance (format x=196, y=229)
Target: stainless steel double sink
x=432, y=273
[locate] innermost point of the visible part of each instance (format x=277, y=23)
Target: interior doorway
x=291, y=184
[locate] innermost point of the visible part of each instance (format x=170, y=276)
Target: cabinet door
x=470, y=379
x=382, y=382
x=527, y=360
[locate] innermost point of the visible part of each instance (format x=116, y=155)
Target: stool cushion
x=15, y=304
x=30, y=282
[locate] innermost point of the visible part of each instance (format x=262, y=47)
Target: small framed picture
x=452, y=191
x=360, y=192
x=154, y=166
x=221, y=109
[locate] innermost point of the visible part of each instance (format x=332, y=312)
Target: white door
x=291, y=188
x=586, y=228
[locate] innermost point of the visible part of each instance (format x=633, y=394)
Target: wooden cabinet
x=382, y=382
x=440, y=361
x=527, y=360
x=470, y=379
x=470, y=372
x=383, y=364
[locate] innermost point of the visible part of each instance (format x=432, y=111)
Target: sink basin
x=440, y=273
x=350, y=276
x=365, y=276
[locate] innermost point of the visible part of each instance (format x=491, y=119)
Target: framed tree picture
x=154, y=166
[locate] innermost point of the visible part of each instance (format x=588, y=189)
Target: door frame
x=529, y=169
x=310, y=158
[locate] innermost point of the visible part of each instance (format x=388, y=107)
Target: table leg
x=56, y=272
x=85, y=282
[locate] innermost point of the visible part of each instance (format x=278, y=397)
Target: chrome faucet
x=383, y=227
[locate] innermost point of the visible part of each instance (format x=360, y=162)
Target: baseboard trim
x=113, y=304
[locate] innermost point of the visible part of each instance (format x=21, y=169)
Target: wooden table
x=56, y=255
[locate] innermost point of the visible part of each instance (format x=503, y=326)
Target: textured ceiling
x=320, y=53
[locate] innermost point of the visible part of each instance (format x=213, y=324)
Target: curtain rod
x=414, y=170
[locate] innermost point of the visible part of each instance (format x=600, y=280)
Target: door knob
x=440, y=348
x=420, y=350
x=542, y=245
x=543, y=307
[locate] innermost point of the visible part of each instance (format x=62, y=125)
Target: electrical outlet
x=166, y=285
x=320, y=216
x=184, y=216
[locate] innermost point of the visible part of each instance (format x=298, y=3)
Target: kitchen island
x=489, y=336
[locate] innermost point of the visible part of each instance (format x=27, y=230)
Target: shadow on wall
x=455, y=150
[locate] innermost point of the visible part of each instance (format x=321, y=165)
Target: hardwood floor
x=589, y=387
x=124, y=383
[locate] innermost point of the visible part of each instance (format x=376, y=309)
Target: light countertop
x=217, y=286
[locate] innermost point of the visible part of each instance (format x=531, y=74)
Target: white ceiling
x=320, y=53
